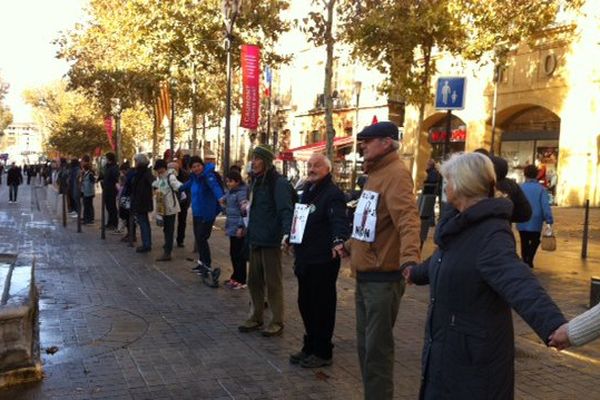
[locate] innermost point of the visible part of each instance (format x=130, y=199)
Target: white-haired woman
x=476, y=278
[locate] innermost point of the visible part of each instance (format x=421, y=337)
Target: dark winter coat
x=271, y=210
x=475, y=279
x=521, y=207
x=326, y=224
x=14, y=176
x=141, y=190
x=110, y=178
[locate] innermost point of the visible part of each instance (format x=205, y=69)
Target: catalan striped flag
x=163, y=103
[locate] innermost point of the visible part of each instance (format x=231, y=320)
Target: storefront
x=294, y=160
x=437, y=138
x=532, y=137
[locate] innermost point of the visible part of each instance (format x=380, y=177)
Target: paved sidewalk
x=129, y=328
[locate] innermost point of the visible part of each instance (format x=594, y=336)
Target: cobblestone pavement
x=129, y=328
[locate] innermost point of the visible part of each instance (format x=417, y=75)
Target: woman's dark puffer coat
x=476, y=278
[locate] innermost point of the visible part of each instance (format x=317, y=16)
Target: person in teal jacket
x=270, y=213
x=206, y=193
x=531, y=230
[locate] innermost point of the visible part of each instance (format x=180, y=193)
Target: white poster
x=365, y=217
x=301, y=212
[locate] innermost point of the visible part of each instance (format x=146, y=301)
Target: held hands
x=339, y=251
x=560, y=338
x=239, y=233
x=406, y=274
x=286, y=247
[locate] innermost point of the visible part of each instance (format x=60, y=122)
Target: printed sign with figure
x=301, y=212
x=365, y=217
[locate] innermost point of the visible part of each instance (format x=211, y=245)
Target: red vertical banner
x=109, y=131
x=251, y=86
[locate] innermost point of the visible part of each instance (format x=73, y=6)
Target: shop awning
x=303, y=153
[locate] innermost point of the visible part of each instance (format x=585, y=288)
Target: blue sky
x=27, y=57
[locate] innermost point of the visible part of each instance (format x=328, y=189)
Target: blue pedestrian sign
x=450, y=93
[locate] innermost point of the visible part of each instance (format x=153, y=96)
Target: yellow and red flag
x=163, y=103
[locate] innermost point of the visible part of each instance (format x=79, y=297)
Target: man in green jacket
x=270, y=216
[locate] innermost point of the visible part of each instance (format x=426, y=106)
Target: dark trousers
x=75, y=203
x=529, y=245
x=28, y=179
x=88, y=209
x=13, y=190
x=202, y=231
x=238, y=259
x=110, y=202
x=168, y=230
x=317, y=299
x=145, y=232
x=182, y=221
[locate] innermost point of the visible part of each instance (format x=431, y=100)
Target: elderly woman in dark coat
x=476, y=278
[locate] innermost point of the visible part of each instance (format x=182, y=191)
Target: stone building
x=547, y=109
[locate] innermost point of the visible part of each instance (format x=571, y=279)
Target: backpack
x=272, y=181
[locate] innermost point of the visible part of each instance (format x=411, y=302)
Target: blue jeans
x=202, y=231
x=145, y=233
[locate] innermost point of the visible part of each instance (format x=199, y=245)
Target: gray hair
x=470, y=174
x=326, y=160
x=141, y=159
x=173, y=165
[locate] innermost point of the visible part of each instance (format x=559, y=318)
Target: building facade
x=21, y=143
x=547, y=110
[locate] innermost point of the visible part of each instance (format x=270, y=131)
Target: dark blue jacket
x=475, y=278
x=206, y=193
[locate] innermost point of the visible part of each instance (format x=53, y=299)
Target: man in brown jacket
x=385, y=240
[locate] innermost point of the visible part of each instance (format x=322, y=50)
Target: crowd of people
x=475, y=274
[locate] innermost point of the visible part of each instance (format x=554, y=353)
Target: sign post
x=449, y=95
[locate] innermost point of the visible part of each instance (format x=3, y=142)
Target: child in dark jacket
x=233, y=202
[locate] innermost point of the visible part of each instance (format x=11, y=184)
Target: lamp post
x=230, y=12
x=357, y=88
x=172, y=84
x=116, y=108
x=494, y=106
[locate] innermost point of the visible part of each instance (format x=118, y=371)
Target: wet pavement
x=117, y=325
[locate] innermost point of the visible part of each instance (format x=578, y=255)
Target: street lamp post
x=172, y=117
x=116, y=109
x=230, y=13
x=494, y=106
x=357, y=89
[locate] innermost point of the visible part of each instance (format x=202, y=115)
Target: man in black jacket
x=109, y=179
x=317, y=263
x=13, y=179
x=521, y=207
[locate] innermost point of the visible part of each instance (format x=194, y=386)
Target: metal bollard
x=79, y=214
x=594, y=291
x=586, y=228
x=64, y=209
x=131, y=223
x=102, y=227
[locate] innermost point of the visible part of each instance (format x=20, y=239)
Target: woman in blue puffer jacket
x=531, y=230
